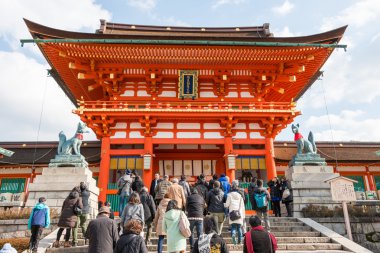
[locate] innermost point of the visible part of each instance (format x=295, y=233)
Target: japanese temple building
x=184, y=100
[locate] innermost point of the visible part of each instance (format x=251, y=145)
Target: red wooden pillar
x=269, y=158
x=371, y=181
x=148, y=173
x=228, y=149
x=104, y=168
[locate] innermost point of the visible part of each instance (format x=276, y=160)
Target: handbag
x=184, y=225
x=286, y=193
x=77, y=210
x=121, y=188
x=235, y=214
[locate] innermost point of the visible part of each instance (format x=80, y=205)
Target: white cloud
x=348, y=125
x=358, y=15
x=220, y=3
x=285, y=32
x=283, y=9
x=168, y=20
x=62, y=14
x=22, y=89
x=144, y=5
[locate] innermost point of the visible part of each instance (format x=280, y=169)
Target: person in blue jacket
x=225, y=184
x=38, y=220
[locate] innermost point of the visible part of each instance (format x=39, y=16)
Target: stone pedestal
x=55, y=185
x=309, y=187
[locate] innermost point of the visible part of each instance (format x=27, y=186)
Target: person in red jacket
x=257, y=240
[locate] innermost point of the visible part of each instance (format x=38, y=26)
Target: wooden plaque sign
x=342, y=190
x=188, y=84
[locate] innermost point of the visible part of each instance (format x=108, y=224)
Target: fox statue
x=67, y=147
x=303, y=145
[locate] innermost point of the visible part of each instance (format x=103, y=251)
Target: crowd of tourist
x=175, y=210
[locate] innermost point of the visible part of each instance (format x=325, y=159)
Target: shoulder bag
x=235, y=214
x=184, y=225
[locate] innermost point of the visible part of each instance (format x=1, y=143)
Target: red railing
x=188, y=105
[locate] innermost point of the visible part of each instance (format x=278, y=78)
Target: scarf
x=204, y=243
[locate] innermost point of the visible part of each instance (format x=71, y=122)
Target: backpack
x=261, y=199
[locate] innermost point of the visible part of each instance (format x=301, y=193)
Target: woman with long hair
x=133, y=210
x=131, y=241
x=173, y=215
x=236, y=208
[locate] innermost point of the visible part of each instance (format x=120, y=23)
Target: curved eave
x=43, y=32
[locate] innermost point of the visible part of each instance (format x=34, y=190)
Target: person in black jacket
x=215, y=205
x=154, y=184
x=275, y=195
x=289, y=199
x=131, y=241
x=201, y=186
x=149, y=211
x=82, y=218
x=211, y=182
x=210, y=241
x=137, y=185
x=195, y=205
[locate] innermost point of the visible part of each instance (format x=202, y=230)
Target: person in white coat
x=236, y=208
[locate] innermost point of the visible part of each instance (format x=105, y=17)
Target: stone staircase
x=292, y=236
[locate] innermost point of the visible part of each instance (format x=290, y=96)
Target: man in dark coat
x=149, y=211
x=201, y=186
x=137, y=185
x=260, y=240
x=131, y=241
x=215, y=205
x=82, y=218
x=195, y=207
x=154, y=184
x=102, y=233
x=211, y=182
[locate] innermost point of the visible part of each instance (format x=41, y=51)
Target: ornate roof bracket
x=228, y=123
x=147, y=122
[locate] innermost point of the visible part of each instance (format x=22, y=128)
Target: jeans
x=122, y=202
x=160, y=243
x=276, y=208
x=81, y=222
x=67, y=235
x=236, y=228
x=219, y=220
x=198, y=224
x=264, y=214
x=35, y=237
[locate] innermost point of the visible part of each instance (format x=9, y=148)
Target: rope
x=40, y=120
x=328, y=117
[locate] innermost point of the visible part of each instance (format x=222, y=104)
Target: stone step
x=295, y=246
x=289, y=240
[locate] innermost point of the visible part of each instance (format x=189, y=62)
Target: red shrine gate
x=179, y=100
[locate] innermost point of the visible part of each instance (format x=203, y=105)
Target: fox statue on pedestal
x=303, y=145
x=67, y=147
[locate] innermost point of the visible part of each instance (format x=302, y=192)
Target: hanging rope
x=40, y=120
x=328, y=117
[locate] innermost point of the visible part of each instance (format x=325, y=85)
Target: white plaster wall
x=119, y=134
x=135, y=134
x=241, y=135
x=245, y=94
x=232, y=94
x=212, y=135
x=255, y=135
x=164, y=135
x=188, y=135
x=135, y=125
x=211, y=126
x=188, y=126
x=165, y=126
x=207, y=94
x=128, y=93
x=254, y=126
x=121, y=125
x=171, y=94
x=240, y=126
x=143, y=93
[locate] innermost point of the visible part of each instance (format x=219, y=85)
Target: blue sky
x=342, y=106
